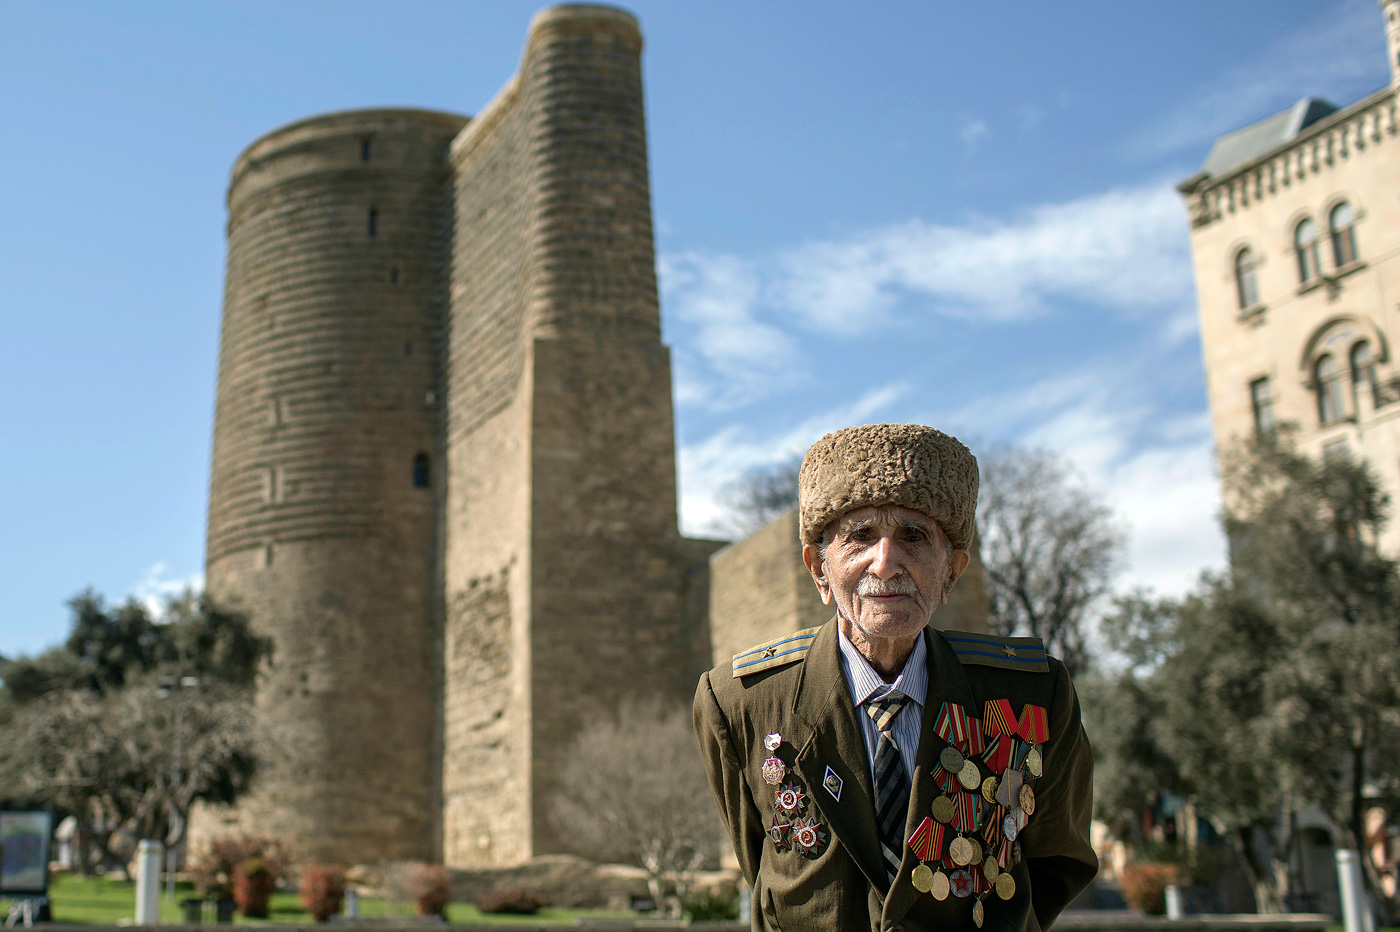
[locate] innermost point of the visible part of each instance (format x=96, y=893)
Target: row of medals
x=964, y=853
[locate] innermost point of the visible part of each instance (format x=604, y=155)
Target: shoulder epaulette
x=785, y=649
x=992, y=650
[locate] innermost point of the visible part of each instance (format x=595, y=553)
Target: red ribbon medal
x=998, y=717
x=1033, y=726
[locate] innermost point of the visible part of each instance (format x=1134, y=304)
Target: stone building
x=443, y=474
x=1295, y=233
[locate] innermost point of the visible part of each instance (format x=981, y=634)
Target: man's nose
x=885, y=563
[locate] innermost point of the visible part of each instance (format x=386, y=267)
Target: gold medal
x=951, y=759
x=991, y=869
x=1006, y=886
x=979, y=913
x=970, y=777
x=962, y=851
x=1027, y=800
x=989, y=789
x=943, y=809
x=1034, y=764
x=940, y=886
x=922, y=878
x=976, y=851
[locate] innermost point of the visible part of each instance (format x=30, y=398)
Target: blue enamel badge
x=832, y=784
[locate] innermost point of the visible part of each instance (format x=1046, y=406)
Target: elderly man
x=874, y=773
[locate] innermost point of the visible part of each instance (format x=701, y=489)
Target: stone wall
x=326, y=397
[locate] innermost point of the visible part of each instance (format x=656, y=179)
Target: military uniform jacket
x=796, y=689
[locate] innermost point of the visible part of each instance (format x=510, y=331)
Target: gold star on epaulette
x=770, y=651
x=1009, y=651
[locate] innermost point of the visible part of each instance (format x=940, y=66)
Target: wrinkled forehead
x=886, y=517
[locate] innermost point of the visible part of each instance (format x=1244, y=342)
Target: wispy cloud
x=1125, y=250
x=972, y=133
x=1339, y=55
x=157, y=586
x=707, y=466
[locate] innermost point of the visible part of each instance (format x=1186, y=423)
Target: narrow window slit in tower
x=373, y=223
x=393, y=275
x=420, y=471
x=364, y=151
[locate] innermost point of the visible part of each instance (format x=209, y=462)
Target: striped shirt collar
x=864, y=683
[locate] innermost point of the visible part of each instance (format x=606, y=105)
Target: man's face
x=887, y=569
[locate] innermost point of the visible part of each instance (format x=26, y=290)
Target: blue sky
x=960, y=214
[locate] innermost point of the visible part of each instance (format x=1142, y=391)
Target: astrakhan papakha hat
x=889, y=464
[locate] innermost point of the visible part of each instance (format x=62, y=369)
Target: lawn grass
x=106, y=901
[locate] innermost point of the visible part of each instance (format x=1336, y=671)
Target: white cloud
x=707, y=466
x=1340, y=55
x=735, y=321
x=972, y=133
x=156, y=586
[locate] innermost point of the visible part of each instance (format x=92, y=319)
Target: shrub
x=211, y=866
x=515, y=900
x=1144, y=885
x=253, y=883
x=322, y=890
x=711, y=907
x=431, y=890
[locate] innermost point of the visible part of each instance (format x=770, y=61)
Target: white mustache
x=874, y=585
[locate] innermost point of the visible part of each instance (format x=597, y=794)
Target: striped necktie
x=891, y=782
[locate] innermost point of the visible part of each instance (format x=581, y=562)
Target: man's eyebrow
x=864, y=524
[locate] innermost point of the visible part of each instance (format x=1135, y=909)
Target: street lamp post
x=174, y=687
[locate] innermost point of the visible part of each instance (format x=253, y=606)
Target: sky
x=952, y=213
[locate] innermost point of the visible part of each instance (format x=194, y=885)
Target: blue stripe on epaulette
x=1039, y=647
x=763, y=647
x=749, y=663
x=983, y=653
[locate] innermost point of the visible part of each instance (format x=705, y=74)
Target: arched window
x=1245, y=278
x=1363, y=375
x=1305, y=242
x=1343, y=223
x=1329, y=389
x=420, y=471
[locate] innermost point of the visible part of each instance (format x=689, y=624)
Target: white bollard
x=352, y=903
x=148, y=857
x=1176, y=908
x=1356, y=911
x=745, y=905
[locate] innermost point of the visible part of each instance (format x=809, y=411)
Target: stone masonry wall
x=326, y=396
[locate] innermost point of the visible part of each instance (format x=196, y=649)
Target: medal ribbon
x=951, y=724
x=1004, y=854
x=1033, y=726
x=992, y=830
x=965, y=812
x=979, y=879
x=946, y=781
x=998, y=754
x=1018, y=756
x=921, y=842
x=976, y=742
x=998, y=717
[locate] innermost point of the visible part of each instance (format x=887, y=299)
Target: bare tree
x=760, y=495
x=633, y=791
x=1049, y=548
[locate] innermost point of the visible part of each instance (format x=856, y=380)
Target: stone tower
x=322, y=519
x=443, y=475
x=1391, y=10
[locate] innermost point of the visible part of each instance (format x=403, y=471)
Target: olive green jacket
x=798, y=691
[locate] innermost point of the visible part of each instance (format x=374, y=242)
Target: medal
x=961, y=883
x=940, y=887
x=976, y=852
x=772, y=742
x=807, y=836
x=777, y=833
x=978, y=914
x=990, y=869
x=1027, y=800
x=1006, y=886
x=1034, y=763
x=922, y=878
x=961, y=851
x=989, y=789
x=951, y=759
x=1008, y=827
x=790, y=799
x=832, y=784
x=1010, y=790
x=943, y=809
x=773, y=771
x=970, y=777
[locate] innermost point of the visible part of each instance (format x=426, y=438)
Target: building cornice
x=1338, y=136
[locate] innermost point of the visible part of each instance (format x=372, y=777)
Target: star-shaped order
x=1009, y=651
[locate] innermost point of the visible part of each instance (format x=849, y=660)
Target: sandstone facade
x=1296, y=329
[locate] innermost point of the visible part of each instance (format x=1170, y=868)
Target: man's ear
x=958, y=562
x=812, y=557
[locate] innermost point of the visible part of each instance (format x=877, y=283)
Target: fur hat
x=911, y=465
